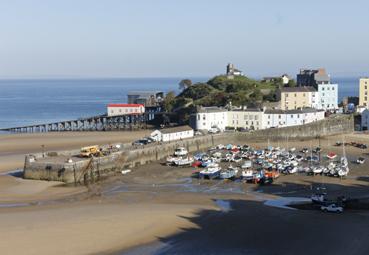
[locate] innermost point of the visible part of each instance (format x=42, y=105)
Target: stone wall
x=129, y=156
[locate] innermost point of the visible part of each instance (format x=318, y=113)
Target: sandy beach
x=158, y=209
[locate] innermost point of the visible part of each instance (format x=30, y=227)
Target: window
x=279, y=116
x=198, y=117
x=304, y=95
x=323, y=89
x=203, y=117
x=332, y=88
x=295, y=94
x=286, y=94
x=291, y=116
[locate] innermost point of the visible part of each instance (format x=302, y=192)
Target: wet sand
x=161, y=210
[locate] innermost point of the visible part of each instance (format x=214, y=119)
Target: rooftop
x=295, y=111
x=298, y=89
x=211, y=109
x=175, y=129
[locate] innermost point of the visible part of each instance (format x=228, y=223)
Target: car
x=331, y=208
x=198, y=133
x=213, y=131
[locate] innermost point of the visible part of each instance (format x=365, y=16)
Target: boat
x=247, y=164
x=317, y=170
x=360, y=160
x=319, y=198
x=170, y=160
x=230, y=173
x=210, y=173
x=248, y=175
x=331, y=155
x=180, y=151
x=184, y=161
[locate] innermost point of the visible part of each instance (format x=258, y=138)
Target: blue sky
x=162, y=38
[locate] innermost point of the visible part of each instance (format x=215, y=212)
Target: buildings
x=172, y=134
x=284, y=78
x=365, y=119
x=280, y=118
x=249, y=119
x=209, y=117
x=147, y=98
x=363, y=93
x=308, y=77
x=321, y=81
x=328, y=96
x=125, y=109
x=297, y=97
x=232, y=71
x=254, y=119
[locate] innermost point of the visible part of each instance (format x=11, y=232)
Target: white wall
x=207, y=120
x=328, y=96
x=177, y=135
x=125, y=110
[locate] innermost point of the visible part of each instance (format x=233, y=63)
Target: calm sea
x=25, y=102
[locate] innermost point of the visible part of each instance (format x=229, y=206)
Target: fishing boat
x=210, y=173
x=184, y=161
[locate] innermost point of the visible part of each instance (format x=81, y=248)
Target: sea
x=37, y=101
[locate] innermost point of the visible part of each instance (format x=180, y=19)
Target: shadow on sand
x=251, y=227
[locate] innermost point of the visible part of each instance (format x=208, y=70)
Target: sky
x=178, y=38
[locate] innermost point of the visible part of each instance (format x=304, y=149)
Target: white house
x=210, y=117
x=288, y=118
x=125, y=109
x=255, y=119
x=328, y=96
x=172, y=134
x=365, y=120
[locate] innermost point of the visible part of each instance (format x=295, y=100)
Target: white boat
x=247, y=175
x=184, y=161
x=170, y=160
x=292, y=170
x=360, y=160
x=318, y=198
x=317, y=170
x=180, y=151
x=210, y=173
x=230, y=173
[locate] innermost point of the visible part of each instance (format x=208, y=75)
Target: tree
x=169, y=101
x=184, y=84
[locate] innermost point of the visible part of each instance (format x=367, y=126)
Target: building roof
x=297, y=89
x=248, y=110
x=295, y=111
x=211, y=109
x=175, y=129
x=125, y=105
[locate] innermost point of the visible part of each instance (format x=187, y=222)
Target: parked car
x=213, y=131
x=331, y=208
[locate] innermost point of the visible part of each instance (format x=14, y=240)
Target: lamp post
x=43, y=150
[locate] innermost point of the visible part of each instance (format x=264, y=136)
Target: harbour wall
x=43, y=167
